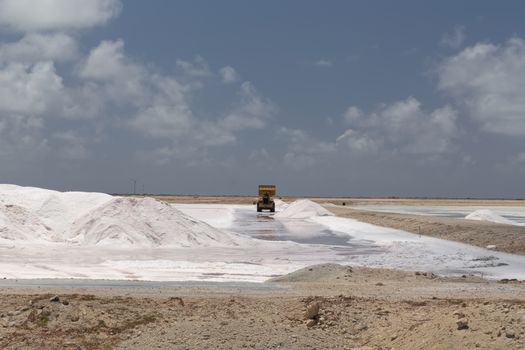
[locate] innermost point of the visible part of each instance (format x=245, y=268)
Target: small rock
x=459, y=314
x=65, y=302
x=312, y=311
x=55, y=299
x=509, y=333
x=310, y=323
x=361, y=327
x=462, y=323
x=379, y=284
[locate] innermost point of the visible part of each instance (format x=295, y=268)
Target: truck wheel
x=273, y=208
x=258, y=208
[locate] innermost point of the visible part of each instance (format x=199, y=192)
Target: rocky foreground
x=321, y=307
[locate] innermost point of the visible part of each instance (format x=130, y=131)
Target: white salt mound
x=33, y=214
x=488, y=215
x=302, y=209
x=56, y=210
x=280, y=205
x=18, y=223
x=145, y=222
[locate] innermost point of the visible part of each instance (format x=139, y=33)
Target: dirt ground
x=506, y=238
x=358, y=308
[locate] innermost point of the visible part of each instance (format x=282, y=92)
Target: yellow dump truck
x=266, y=192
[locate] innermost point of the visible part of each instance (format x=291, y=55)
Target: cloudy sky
x=368, y=98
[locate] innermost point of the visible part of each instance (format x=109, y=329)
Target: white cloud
x=402, y=127
x=31, y=15
x=454, y=39
x=108, y=62
x=360, y=143
x=197, y=68
x=323, y=63
x=33, y=89
x=304, y=150
x=115, y=90
x=489, y=82
x=159, y=106
x=259, y=155
x=352, y=114
x=21, y=136
x=164, y=120
x=35, y=47
x=71, y=145
x=229, y=75
x=252, y=111
x=120, y=81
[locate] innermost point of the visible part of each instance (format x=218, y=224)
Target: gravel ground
x=358, y=308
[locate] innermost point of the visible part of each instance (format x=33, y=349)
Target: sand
x=359, y=308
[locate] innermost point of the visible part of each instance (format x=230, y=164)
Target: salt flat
x=117, y=238
x=513, y=213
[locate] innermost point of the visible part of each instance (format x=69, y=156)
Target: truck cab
x=265, y=201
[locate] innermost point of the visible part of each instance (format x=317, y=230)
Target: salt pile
x=145, y=222
x=17, y=223
x=56, y=210
x=280, y=205
x=303, y=209
x=488, y=215
x=33, y=214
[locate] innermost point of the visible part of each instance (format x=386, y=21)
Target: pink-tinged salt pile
x=81, y=218
x=145, y=222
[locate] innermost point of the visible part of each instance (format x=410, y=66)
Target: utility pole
x=134, y=186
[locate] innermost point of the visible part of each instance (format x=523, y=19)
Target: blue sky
x=368, y=98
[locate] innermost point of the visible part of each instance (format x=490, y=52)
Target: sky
x=339, y=98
